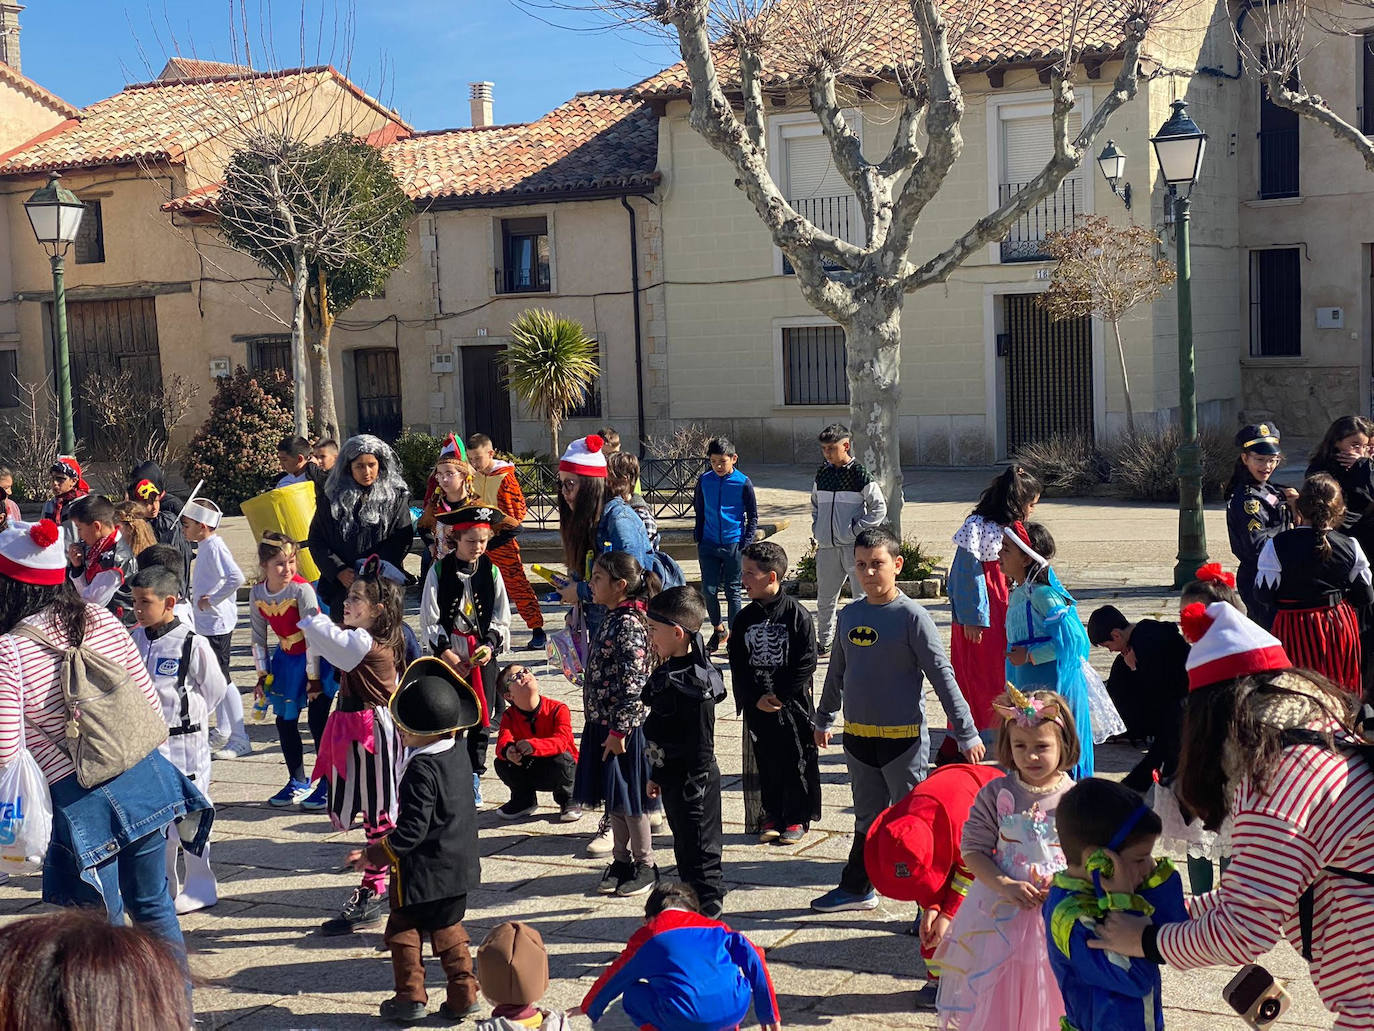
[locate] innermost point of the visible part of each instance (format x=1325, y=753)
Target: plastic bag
x=25, y=811
x=563, y=653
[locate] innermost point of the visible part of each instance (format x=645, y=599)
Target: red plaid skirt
x=1325, y=640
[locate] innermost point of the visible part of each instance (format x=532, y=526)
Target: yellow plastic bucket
x=287, y=510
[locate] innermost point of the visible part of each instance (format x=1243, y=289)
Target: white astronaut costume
x=189, y=684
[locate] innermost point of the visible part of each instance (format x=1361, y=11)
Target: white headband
x=202, y=511
x=1031, y=553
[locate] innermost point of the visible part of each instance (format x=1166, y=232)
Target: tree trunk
x=326, y=414
x=1125, y=376
x=553, y=440
x=299, y=371
x=873, y=340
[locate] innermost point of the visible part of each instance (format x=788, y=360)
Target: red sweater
x=548, y=728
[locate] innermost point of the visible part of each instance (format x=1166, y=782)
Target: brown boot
x=451, y=946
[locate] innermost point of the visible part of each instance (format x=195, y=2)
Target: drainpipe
x=639, y=339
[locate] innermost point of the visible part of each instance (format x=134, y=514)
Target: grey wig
x=378, y=501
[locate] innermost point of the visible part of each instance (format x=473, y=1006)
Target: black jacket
x=166, y=527
x=682, y=695
x=1150, y=697
x=1255, y=513
x=389, y=540
x=772, y=647
x=1357, y=486
x=432, y=850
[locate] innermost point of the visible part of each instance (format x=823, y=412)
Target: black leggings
x=289, y=734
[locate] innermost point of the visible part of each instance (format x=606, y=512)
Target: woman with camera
x=1280, y=749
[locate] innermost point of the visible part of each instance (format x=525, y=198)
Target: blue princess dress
x=1043, y=619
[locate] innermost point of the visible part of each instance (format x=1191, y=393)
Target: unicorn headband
x=1028, y=712
x=1016, y=533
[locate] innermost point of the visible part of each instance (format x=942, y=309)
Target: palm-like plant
x=550, y=364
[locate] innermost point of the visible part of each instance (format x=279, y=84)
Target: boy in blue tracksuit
x=727, y=516
x=682, y=971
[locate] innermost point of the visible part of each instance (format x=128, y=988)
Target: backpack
x=1364, y=727
x=110, y=726
x=667, y=569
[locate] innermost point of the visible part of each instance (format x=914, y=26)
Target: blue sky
x=420, y=54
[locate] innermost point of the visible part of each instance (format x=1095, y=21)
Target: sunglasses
x=567, y=486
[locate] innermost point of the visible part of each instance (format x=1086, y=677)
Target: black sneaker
x=516, y=808
x=453, y=1016
x=614, y=875
x=538, y=641
x=363, y=907
x=822, y=649
x=640, y=882
x=399, y=1012
x=713, y=643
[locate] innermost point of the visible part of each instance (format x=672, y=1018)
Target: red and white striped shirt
x=29, y=688
x=1318, y=811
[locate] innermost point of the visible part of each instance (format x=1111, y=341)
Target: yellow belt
x=291, y=639
x=870, y=730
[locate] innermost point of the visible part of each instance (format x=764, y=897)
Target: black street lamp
x=1179, y=146
x=1113, y=164
x=55, y=214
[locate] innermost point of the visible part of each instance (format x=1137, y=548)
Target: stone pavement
x=263, y=965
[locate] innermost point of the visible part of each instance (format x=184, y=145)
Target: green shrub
x=917, y=563
x=235, y=451
x=1065, y=464
x=1145, y=465
x=418, y=452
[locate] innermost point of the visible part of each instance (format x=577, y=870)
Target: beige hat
x=512, y=966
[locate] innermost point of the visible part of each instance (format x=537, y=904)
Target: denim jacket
x=92, y=825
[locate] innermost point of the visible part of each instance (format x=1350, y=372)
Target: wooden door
x=486, y=398
x=106, y=339
x=1049, y=373
x=377, y=375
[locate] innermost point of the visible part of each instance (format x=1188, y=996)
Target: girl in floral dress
x=994, y=967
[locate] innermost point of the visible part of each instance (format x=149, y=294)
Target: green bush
x=235, y=451
x=917, y=563
x=1066, y=464
x=1145, y=465
x=418, y=452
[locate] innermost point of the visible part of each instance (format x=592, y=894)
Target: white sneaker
x=233, y=749
x=657, y=821
x=601, y=845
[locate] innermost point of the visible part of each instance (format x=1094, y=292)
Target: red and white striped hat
x=33, y=554
x=1227, y=645
x=584, y=457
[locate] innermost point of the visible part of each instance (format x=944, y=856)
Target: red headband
x=1213, y=573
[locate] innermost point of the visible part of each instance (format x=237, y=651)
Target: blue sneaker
x=837, y=900
x=319, y=798
x=294, y=791
x=477, y=790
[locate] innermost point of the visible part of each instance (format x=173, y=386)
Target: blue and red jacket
x=698, y=971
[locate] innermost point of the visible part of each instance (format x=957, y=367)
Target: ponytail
x=1322, y=506
x=641, y=585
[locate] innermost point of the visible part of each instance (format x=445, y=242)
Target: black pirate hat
x=434, y=699
x=471, y=515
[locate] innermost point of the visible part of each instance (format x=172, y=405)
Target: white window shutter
x=811, y=169
x=1028, y=145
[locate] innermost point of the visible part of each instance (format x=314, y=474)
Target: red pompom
x=1212, y=571
x=1194, y=621
x=594, y=443
x=44, y=533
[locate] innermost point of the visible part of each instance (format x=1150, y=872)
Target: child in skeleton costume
x=189, y=684
x=465, y=618
x=357, y=756
x=291, y=676
x=772, y=649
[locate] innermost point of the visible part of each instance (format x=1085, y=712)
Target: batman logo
x=863, y=636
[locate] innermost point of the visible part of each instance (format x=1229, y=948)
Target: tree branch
x=750, y=72
x=845, y=147
x=1312, y=106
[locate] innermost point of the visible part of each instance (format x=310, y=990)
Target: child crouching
x=535, y=750
x=189, y=684
x=432, y=849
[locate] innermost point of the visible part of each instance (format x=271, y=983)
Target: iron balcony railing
x=1025, y=241
x=838, y=216
x=523, y=280
x=667, y=484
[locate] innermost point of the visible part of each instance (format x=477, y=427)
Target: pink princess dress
x=994, y=966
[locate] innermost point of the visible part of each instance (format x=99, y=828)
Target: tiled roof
x=596, y=141
x=194, y=68
x=160, y=120
x=1004, y=32
x=30, y=88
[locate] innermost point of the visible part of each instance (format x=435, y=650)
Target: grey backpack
x=111, y=727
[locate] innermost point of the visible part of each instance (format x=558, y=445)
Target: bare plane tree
x=1275, y=38
x=732, y=51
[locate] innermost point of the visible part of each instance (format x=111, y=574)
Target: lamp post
x=1113, y=164
x=1179, y=146
x=55, y=214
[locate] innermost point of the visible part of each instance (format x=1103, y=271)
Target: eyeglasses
x=1268, y=459
x=567, y=486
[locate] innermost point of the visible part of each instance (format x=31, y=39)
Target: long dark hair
x=386, y=629
x=640, y=584
x=1345, y=426
x=577, y=522
x=20, y=600
x=1240, y=478
x=1008, y=498
x=1233, y=711
x=1322, y=505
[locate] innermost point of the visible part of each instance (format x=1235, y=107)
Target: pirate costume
x=772, y=650
x=56, y=507
x=499, y=488
x=356, y=756
x=463, y=606
x=432, y=850
x=1255, y=513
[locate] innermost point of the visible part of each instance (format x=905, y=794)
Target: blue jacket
x=698, y=974
x=620, y=529
x=1104, y=991
x=726, y=510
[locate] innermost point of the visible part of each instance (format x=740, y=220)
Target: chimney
x=479, y=101
x=9, y=33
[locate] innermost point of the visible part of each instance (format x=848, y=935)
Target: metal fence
x=1025, y=241
x=666, y=483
